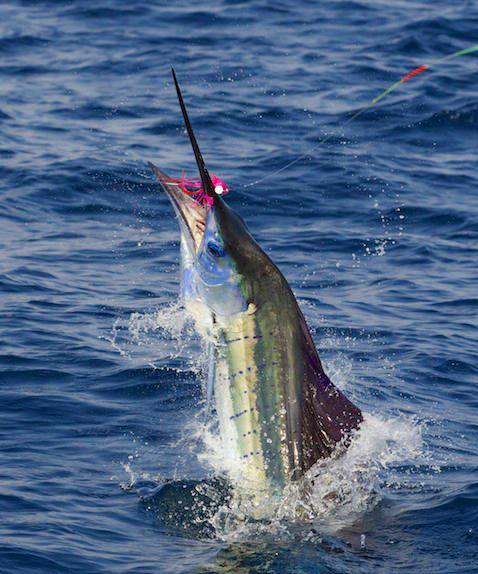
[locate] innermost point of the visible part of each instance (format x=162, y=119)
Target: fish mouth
x=190, y=213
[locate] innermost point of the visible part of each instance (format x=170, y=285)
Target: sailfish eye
x=215, y=249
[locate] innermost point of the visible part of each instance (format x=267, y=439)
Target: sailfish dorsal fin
x=328, y=417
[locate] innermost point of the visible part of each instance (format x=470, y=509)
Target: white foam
x=335, y=492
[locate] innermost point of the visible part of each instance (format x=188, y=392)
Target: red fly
x=192, y=186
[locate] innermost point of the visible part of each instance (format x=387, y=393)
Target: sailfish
x=278, y=412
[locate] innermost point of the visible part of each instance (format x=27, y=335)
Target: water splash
x=333, y=495
x=162, y=338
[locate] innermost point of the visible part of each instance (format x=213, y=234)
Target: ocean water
x=106, y=462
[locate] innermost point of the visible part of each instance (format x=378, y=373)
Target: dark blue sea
x=106, y=466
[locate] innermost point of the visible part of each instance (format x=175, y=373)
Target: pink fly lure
x=192, y=186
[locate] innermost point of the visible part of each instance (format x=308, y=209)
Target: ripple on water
x=101, y=376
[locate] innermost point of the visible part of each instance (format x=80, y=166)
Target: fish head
x=221, y=262
x=209, y=271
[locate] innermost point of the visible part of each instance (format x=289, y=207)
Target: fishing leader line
x=361, y=111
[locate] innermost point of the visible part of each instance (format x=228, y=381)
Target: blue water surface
x=376, y=231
